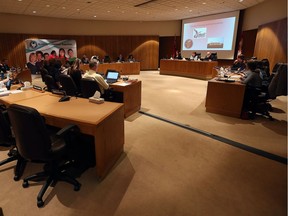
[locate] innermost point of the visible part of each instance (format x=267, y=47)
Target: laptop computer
x=112, y=76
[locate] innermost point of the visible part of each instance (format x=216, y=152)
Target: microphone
x=63, y=93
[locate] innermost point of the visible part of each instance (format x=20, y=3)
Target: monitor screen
x=215, y=33
x=112, y=75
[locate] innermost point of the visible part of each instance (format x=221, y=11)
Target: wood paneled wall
x=144, y=48
x=271, y=42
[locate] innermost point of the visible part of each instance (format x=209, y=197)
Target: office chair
x=68, y=85
x=276, y=87
x=89, y=86
x=7, y=140
x=43, y=72
x=34, y=143
x=50, y=83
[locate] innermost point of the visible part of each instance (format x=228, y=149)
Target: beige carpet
x=167, y=170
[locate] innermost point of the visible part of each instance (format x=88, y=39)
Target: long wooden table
x=125, y=68
x=225, y=98
x=131, y=95
x=194, y=69
x=105, y=122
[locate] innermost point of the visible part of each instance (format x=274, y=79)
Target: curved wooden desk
x=225, y=98
x=125, y=68
x=194, y=69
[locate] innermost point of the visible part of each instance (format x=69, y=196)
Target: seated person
x=131, y=58
x=208, y=57
x=194, y=56
x=4, y=65
x=76, y=73
x=178, y=55
x=253, y=83
x=84, y=59
x=120, y=58
x=103, y=85
x=239, y=64
x=11, y=79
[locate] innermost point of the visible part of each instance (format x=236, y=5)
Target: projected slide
x=214, y=33
x=209, y=35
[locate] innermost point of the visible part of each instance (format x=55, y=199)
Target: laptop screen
x=112, y=75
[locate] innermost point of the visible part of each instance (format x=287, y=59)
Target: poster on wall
x=38, y=50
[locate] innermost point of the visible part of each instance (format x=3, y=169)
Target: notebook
x=112, y=76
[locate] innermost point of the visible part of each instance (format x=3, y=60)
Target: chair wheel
x=16, y=178
x=25, y=184
x=40, y=203
x=77, y=187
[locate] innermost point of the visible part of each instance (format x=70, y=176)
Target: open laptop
x=111, y=76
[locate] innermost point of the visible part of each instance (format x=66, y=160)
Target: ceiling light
x=34, y=12
x=95, y=16
x=19, y=0
x=204, y=3
x=63, y=8
x=47, y=5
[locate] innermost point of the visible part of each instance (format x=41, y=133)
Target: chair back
x=5, y=130
x=89, y=86
x=43, y=72
x=31, y=135
x=50, y=83
x=68, y=85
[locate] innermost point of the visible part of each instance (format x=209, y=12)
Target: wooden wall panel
x=271, y=42
x=144, y=48
x=249, y=38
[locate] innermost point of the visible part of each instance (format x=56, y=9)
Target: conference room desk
x=131, y=95
x=225, y=98
x=125, y=68
x=194, y=69
x=105, y=122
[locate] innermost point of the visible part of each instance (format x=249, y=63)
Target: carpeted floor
x=169, y=170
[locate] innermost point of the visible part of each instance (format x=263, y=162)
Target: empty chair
x=88, y=87
x=43, y=73
x=50, y=83
x=68, y=85
x=6, y=139
x=34, y=143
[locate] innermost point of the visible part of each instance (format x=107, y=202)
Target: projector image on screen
x=215, y=43
x=188, y=43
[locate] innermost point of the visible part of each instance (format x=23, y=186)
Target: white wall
x=265, y=12
x=42, y=25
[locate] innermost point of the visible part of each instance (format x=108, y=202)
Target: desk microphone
x=65, y=97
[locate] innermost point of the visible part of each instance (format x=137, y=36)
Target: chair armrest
x=67, y=129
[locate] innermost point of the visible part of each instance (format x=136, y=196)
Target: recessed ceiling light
x=241, y=0
x=204, y=3
x=63, y=8
x=78, y=9
x=108, y=11
x=94, y=16
x=47, y=5
x=34, y=12
x=19, y=0
x=190, y=10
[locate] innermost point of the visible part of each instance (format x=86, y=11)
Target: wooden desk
x=125, y=68
x=195, y=69
x=225, y=98
x=131, y=95
x=98, y=120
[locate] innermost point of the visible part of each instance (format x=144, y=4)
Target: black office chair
x=88, y=87
x=34, y=143
x=7, y=140
x=68, y=85
x=43, y=73
x=50, y=83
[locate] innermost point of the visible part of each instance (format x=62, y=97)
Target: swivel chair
x=50, y=83
x=7, y=140
x=88, y=87
x=68, y=85
x=34, y=143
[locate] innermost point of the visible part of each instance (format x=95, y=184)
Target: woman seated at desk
x=253, y=82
